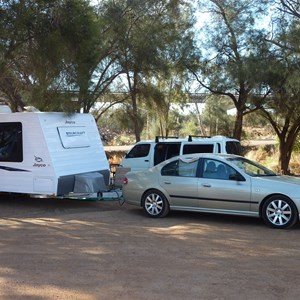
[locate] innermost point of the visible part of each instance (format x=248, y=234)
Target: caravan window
x=11, y=144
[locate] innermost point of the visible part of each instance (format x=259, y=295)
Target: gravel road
x=60, y=249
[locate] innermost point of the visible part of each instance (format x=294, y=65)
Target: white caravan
x=53, y=154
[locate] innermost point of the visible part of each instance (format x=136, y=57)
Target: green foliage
x=231, y=42
x=297, y=146
x=189, y=126
x=152, y=39
x=216, y=117
x=256, y=120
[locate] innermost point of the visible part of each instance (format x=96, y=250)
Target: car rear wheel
x=279, y=212
x=155, y=204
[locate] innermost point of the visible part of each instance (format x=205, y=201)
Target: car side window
x=187, y=168
x=180, y=168
x=140, y=150
x=198, y=148
x=171, y=169
x=217, y=170
x=234, y=148
x=164, y=151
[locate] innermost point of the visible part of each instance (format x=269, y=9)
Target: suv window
x=164, y=151
x=140, y=150
x=233, y=148
x=198, y=148
x=11, y=144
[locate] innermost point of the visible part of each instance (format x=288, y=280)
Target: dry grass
x=268, y=156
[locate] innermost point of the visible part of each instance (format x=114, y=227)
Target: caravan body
x=42, y=153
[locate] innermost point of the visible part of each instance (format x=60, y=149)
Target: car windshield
x=251, y=168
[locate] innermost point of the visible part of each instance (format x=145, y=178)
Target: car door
x=219, y=188
x=179, y=180
x=138, y=158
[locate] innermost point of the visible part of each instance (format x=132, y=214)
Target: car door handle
x=167, y=182
x=146, y=160
x=206, y=184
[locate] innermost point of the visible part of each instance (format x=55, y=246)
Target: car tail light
x=125, y=180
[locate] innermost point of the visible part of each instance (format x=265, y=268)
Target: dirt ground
x=60, y=249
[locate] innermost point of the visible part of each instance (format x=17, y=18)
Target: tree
x=53, y=52
x=291, y=7
x=12, y=32
x=165, y=92
x=33, y=53
x=92, y=43
x=230, y=59
x=282, y=108
x=282, y=74
x=146, y=31
x=45, y=67
x=216, y=117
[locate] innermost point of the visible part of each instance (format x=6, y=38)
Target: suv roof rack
x=190, y=138
x=164, y=137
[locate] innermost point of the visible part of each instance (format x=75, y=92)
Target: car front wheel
x=155, y=204
x=279, y=212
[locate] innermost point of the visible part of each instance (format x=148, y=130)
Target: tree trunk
x=200, y=122
x=238, y=126
x=286, y=145
x=135, y=115
x=284, y=158
x=8, y=87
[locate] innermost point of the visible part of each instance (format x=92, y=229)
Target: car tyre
x=279, y=212
x=155, y=204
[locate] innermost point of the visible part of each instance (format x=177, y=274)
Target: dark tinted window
x=11, y=145
x=170, y=169
x=233, y=148
x=198, y=148
x=140, y=150
x=173, y=150
x=164, y=151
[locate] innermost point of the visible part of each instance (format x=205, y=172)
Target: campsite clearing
x=63, y=249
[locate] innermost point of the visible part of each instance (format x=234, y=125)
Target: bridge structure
x=193, y=97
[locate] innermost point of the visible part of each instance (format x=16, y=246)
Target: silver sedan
x=215, y=183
